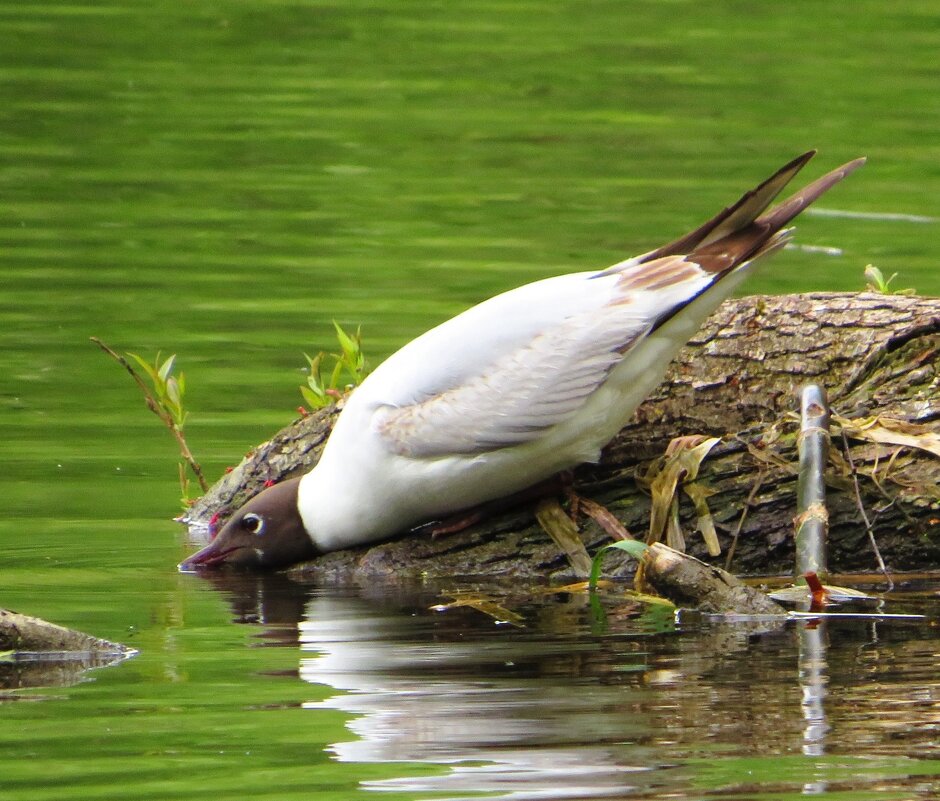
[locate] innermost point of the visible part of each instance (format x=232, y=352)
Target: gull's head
x=265, y=533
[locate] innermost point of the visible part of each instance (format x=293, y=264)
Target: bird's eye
x=253, y=523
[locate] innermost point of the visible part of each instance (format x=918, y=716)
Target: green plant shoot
x=633, y=547
x=348, y=370
x=168, y=390
x=166, y=401
x=164, y=397
x=878, y=283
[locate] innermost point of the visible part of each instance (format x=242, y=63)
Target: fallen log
x=37, y=653
x=876, y=357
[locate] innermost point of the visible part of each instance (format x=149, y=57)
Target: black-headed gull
x=526, y=384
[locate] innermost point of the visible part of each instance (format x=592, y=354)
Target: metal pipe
x=812, y=519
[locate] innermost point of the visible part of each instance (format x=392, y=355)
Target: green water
x=222, y=180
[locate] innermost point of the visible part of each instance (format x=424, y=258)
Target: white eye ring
x=253, y=523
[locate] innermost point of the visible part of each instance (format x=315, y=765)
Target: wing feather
x=544, y=381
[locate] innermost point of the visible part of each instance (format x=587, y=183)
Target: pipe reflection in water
x=813, y=679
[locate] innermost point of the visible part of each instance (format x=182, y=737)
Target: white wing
x=504, y=372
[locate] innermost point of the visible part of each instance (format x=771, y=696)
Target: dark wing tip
x=764, y=234
x=785, y=211
x=800, y=160
x=739, y=214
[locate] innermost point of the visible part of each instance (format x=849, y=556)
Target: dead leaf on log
x=563, y=531
x=679, y=465
x=887, y=430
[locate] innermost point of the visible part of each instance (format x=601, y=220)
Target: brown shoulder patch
x=659, y=274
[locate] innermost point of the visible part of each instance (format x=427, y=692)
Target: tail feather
x=735, y=238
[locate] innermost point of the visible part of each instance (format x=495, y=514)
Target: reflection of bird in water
x=271, y=599
x=469, y=699
x=512, y=391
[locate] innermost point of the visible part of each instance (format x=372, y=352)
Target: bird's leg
x=560, y=483
x=453, y=523
x=604, y=518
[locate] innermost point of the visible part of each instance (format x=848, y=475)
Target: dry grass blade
x=861, y=508
x=889, y=431
x=484, y=604
x=679, y=465
x=705, y=523
x=564, y=533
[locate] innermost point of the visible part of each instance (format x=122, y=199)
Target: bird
x=510, y=392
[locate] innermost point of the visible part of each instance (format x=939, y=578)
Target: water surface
x=222, y=181
x=268, y=688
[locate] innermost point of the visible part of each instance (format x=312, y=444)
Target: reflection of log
x=874, y=354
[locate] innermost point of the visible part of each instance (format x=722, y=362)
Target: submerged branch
x=37, y=653
x=688, y=582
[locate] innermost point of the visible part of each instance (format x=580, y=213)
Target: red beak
x=210, y=556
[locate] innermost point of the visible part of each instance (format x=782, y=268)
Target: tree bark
x=690, y=583
x=738, y=379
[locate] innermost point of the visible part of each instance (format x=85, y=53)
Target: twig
x=747, y=505
x=159, y=411
x=605, y=519
x=861, y=508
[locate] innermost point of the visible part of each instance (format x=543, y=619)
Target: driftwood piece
x=26, y=634
x=37, y=653
x=876, y=357
x=688, y=582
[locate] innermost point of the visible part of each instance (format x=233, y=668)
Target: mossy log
x=875, y=355
x=688, y=582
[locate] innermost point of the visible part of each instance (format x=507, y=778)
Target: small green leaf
x=314, y=398
x=174, y=396
x=875, y=278
x=166, y=367
x=146, y=367
x=345, y=341
x=314, y=363
x=334, y=377
x=635, y=548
